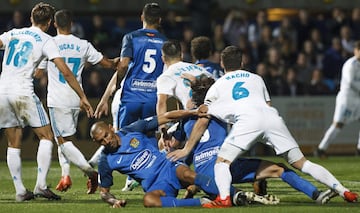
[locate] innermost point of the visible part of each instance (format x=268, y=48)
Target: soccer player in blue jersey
x=132, y=152
x=204, y=153
x=139, y=67
x=201, y=50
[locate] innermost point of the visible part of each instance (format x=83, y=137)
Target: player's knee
x=151, y=200
x=278, y=169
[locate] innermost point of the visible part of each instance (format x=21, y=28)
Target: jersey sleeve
x=211, y=95
x=165, y=85
x=127, y=47
x=50, y=49
x=5, y=39
x=105, y=172
x=144, y=126
x=92, y=55
x=43, y=64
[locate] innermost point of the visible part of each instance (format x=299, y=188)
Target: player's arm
x=1, y=44
x=103, y=105
x=109, y=198
x=161, y=107
x=109, y=63
x=175, y=115
x=74, y=84
x=195, y=136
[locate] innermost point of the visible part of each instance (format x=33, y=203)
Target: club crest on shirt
x=134, y=142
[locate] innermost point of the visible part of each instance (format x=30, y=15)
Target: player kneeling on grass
x=204, y=154
x=130, y=151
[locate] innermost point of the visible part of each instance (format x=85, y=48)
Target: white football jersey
x=75, y=52
x=236, y=94
x=350, y=77
x=24, y=49
x=171, y=83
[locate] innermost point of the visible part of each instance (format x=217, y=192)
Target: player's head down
x=104, y=134
x=42, y=14
x=199, y=88
x=231, y=58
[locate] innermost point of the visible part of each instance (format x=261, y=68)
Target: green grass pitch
x=346, y=169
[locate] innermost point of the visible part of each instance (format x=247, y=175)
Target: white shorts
x=267, y=127
x=18, y=110
x=115, y=106
x=347, y=109
x=64, y=121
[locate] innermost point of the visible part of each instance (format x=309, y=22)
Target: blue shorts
x=167, y=180
x=132, y=111
x=244, y=170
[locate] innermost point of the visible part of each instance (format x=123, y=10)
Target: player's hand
x=102, y=108
x=119, y=204
x=86, y=106
x=177, y=154
x=202, y=110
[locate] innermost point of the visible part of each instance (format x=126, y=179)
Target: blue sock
x=174, y=202
x=207, y=184
x=299, y=183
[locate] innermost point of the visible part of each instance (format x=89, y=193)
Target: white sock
x=223, y=179
x=329, y=137
x=74, y=155
x=14, y=164
x=322, y=175
x=64, y=163
x=96, y=157
x=43, y=160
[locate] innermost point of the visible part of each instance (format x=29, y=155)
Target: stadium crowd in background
x=299, y=55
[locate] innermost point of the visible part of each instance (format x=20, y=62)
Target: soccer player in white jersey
x=20, y=107
x=63, y=102
x=170, y=83
x=347, y=108
x=241, y=98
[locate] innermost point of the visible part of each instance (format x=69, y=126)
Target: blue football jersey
x=213, y=68
x=143, y=46
x=138, y=156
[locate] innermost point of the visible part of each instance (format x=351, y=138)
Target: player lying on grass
x=243, y=170
x=130, y=151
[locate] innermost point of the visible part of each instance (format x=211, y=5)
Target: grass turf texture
x=346, y=169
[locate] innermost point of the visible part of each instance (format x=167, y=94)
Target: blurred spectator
x=218, y=38
x=347, y=41
x=262, y=70
x=293, y=87
x=94, y=86
x=303, y=68
x=287, y=30
x=317, y=41
x=335, y=22
x=303, y=24
x=172, y=28
x=116, y=35
x=17, y=21
x=355, y=23
x=313, y=57
x=200, y=11
x=286, y=47
x=188, y=35
x=276, y=68
x=332, y=63
x=99, y=35
x=317, y=85
x=263, y=45
x=77, y=30
x=235, y=25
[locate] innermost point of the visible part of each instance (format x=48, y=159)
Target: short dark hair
x=42, y=13
x=231, y=58
x=357, y=44
x=171, y=49
x=201, y=47
x=152, y=13
x=200, y=87
x=63, y=19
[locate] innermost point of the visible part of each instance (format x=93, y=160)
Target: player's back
x=143, y=46
x=237, y=93
x=181, y=87
x=24, y=49
x=75, y=52
x=350, y=77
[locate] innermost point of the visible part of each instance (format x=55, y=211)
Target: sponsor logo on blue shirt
x=141, y=160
